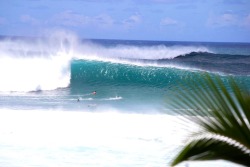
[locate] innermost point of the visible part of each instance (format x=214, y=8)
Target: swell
x=211, y=57
x=211, y=62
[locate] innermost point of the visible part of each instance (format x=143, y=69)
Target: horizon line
x=146, y=40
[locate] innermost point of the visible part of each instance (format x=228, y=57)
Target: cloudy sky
x=168, y=20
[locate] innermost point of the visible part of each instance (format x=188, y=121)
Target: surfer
x=94, y=93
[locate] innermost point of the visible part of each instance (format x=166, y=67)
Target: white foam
x=154, y=52
x=67, y=138
x=129, y=54
x=113, y=98
x=36, y=64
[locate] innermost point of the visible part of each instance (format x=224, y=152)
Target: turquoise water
x=49, y=113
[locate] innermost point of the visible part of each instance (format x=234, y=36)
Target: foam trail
x=114, y=98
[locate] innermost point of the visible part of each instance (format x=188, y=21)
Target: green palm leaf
x=213, y=149
x=222, y=110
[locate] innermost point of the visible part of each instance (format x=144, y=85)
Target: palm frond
x=213, y=149
x=220, y=108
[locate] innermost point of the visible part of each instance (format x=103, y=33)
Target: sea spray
x=28, y=64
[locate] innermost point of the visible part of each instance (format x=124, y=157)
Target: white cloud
x=168, y=21
x=103, y=20
x=229, y=19
x=132, y=21
x=224, y=20
x=70, y=18
x=2, y=21
x=171, y=1
x=164, y=1
x=246, y=21
x=29, y=19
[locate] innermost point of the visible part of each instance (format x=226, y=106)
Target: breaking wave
x=45, y=63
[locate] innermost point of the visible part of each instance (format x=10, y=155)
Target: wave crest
x=91, y=51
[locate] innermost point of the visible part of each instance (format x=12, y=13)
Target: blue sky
x=168, y=20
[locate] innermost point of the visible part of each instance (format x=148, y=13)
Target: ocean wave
x=207, y=55
x=35, y=64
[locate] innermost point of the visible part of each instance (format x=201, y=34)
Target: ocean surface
x=49, y=115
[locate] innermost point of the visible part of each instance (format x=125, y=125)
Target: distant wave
x=207, y=55
x=210, y=55
x=213, y=62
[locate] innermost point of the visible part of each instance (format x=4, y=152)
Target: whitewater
x=50, y=117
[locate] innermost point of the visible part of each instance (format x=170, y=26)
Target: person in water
x=94, y=92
